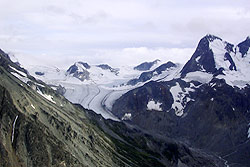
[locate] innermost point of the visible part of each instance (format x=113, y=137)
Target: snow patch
x=180, y=98
x=19, y=72
x=40, y=85
x=48, y=97
x=127, y=116
x=33, y=106
x=153, y=105
x=155, y=73
x=197, y=58
x=218, y=48
x=202, y=77
x=248, y=133
x=13, y=129
x=21, y=78
x=240, y=76
x=212, y=84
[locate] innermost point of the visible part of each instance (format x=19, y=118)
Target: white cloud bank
x=63, y=29
x=113, y=57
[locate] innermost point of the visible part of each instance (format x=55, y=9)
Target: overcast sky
x=118, y=32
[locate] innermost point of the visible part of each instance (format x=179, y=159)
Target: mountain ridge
x=206, y=104
x=40, y=127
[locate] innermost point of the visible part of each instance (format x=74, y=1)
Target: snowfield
x=98, y=93
x=102, y=89
x=153, y=105
x=104, y=86
x=239, y=77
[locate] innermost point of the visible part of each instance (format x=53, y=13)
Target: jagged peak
x=4, y=54
x=78, y=67
x=206, y=58
x=1, y=51
x=146, y=65
x=104, y=66
x=84, y=64
x=156, y=61
x=211, y=37
x=206, y=40
x=248, y=39
x=244, y=46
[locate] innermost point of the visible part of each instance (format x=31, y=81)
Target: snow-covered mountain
x=147, y=65
x=215, y=58
x=39, y=127
x=163, y=71
x=83, y=71
x=205, y=103
x=96, y=87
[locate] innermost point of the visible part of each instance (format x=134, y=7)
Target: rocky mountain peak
x=146, y=65
x=104, y=66
x=202, y=59
x=85, y=65
x=107, y=67
x=211, y=37
x=244, y=46
x=210, y=56
x=2, y=53
x=79, y=70
x=148, y=75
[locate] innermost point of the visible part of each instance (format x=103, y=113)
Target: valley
x=157, y=113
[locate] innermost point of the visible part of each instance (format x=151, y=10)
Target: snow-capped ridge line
x=221, y=59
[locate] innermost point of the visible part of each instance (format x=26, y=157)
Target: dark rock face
x=145, y=76
x=232, y=64
x=172, y=152
x=107, y=67
x=81, y=74
x=203, y=58
x=4, y=54
x=146, y=65
x=72, y=69
x=135, y=101
x=86, y=65
x=104, y=67
x=30, y=143
x=60, y=90
x=244, y=46
x=216, y=119
x=35, y=132
x=206, y=58
x=39, y=73
x=6, y=63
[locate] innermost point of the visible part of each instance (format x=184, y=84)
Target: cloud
x=95, y=28
x=114, y=57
